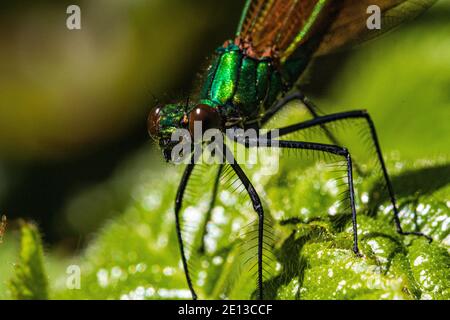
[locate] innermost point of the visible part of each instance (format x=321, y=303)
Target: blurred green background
x=73, y=104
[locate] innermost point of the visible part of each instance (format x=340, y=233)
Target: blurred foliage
x=64, y=92
x=3, y=224
x=402, y=79
x=30, y=279
x=73, y=103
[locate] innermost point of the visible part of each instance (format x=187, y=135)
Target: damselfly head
x=164, y=121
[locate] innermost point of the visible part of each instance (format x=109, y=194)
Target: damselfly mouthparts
x=253, y=76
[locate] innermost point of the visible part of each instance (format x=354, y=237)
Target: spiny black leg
x=280, y=104
x=211, y=207
x=257, y=206
x=352, y=202
x=358, y=114
x=388, y=181
x=178, y=202
x=324, y=148
x=312, y=109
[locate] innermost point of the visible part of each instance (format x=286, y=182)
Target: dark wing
x=350, y=26
x=283, y=24
x=287, y=24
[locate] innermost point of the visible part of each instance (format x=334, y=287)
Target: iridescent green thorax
x=241, y=86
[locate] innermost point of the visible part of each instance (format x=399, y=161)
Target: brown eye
x=207, y=115
x=153, y=123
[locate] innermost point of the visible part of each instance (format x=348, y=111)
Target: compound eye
x=207, y=115
x=153, y=123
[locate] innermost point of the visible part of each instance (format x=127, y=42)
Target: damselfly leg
x=257, y=207
x=312, y=109
x=178, y=204
x=322, y=121
x=318, y=147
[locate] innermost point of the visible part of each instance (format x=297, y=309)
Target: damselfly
x=253, y=76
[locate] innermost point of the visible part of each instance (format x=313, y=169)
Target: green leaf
x=136, y=255
x=29, y=281
x=430, y=265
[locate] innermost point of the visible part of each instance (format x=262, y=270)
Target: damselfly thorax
x=241, y=84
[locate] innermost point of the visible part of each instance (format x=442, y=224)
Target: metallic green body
x=240, y=86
